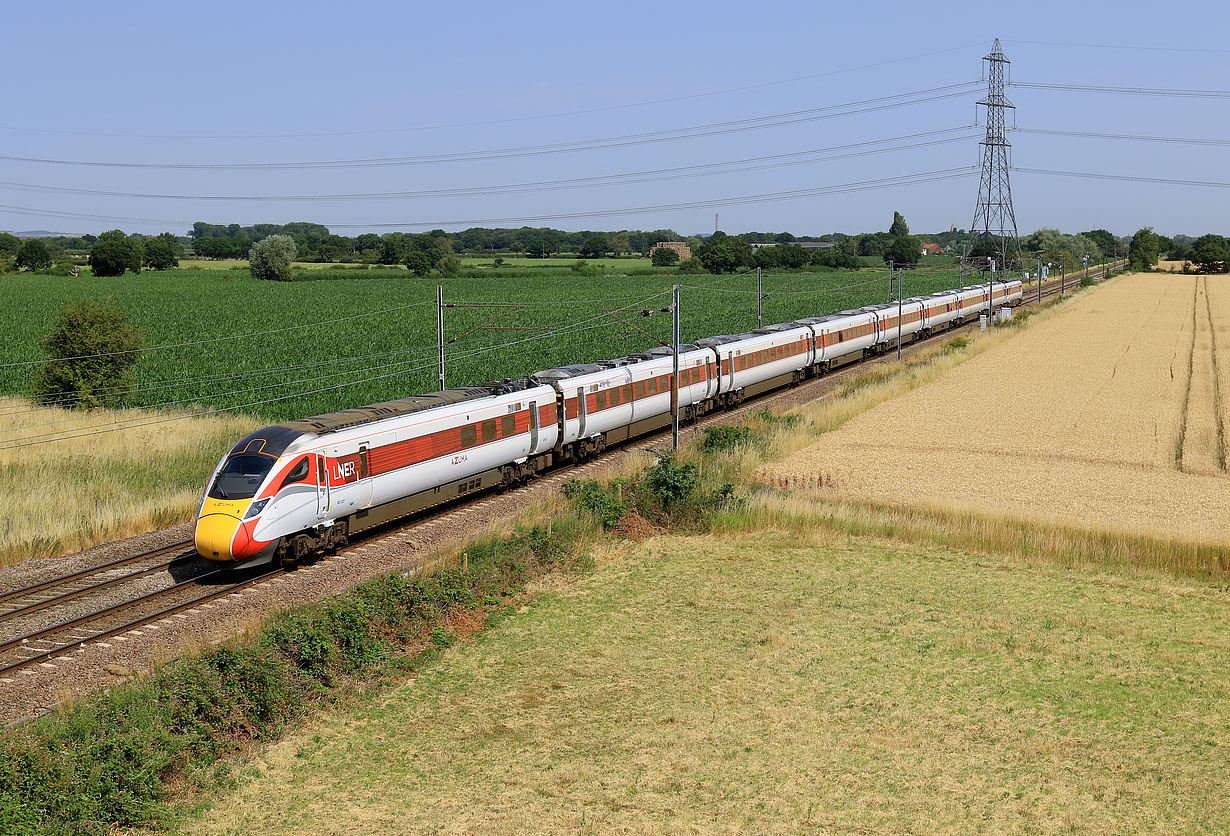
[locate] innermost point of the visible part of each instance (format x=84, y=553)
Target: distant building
x=678, y=246
x=932, y=249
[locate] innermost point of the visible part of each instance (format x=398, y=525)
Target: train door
x=322, y=487
x=533, y=427
x=581, y=412
x=365, y=476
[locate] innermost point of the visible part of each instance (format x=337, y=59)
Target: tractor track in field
x=66, y=635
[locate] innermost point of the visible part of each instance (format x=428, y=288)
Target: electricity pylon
x=994, y=225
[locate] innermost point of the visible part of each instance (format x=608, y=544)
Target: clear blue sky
x=209, y=83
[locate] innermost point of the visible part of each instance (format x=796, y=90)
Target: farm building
x=678, y=246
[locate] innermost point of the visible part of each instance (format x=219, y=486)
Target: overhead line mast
x=994, y=219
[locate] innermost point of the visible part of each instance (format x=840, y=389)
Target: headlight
x=256, y=508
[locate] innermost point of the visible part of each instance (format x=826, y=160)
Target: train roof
x=581, y=369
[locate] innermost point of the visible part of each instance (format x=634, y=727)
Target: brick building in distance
x=678, y=246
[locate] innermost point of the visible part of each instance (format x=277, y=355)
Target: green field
x=775, y=683
x=359, y=336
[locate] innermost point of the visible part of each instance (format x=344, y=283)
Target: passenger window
x=488, y=431
x=508, y=426
x=468, y=436
x=600, y=400
x=363, y=469
x=626, y=394
x=298, y=474
x=639, y=389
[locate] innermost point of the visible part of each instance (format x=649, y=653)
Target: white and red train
x=304, y=487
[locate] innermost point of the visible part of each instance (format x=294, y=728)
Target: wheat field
x=1107, y=415
x=59, y=497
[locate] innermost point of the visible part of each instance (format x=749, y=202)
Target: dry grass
x=775, y=684
x=1076, y=425
x=61, y=497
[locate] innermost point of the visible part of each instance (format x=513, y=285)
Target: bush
x=271, y=258
x=589, y=495
x=670, y=481
x=725, y=437
x=583, y=268
x=91, y=348
x=691, y=265
x=449, y=266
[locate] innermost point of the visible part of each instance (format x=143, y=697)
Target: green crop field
x=345, y=337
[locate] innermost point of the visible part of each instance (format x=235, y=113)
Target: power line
x=1128, y=137
x=1129, y=47
x=1123, y=177
x=866, y=185
x=668, y=135
x=1128, y=91
x=649, y=176
x=509, y=120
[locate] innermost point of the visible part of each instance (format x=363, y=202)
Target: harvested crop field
x=1108, y=414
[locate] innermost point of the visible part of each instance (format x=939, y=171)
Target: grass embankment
x=95, y=488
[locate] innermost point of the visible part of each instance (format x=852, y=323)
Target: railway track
x=56, y=637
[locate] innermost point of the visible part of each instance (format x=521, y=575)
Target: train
x=292, y=491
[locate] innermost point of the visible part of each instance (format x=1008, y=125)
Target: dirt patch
x=463, y=623
x=635, y=527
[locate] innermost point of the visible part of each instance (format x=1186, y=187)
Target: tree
x=1211, y=253
x=10, y=246
x=91, y=351
x=618, y=244
x=724, y=253
x=162, y=252
x=665, y=257
x=899, y=227
x=115, y=253
x=418, y=263
x=594, y=245
x=33, y=255
x=271, y=258
x=1144, y=249
x=904, y=250
x=1105, y=240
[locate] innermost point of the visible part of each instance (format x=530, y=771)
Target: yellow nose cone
x=216, y=527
